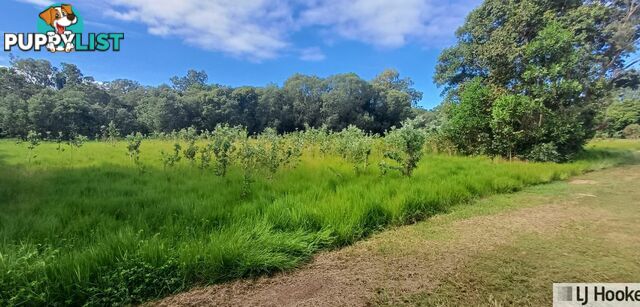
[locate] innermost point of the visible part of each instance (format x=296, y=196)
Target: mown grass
x=587, y=247
x=84, y=226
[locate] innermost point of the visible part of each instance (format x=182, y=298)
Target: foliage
x=34, y=95
x=223, y=146
x=205, y=156
x=33, y=140
x=77, y=140
x=404, y=146
x=112, y=133
x=294, y=145
x=191, y=150
x=632, y=131
x=275, y=154
x=133, y=148
x=624, y=110
x=355, y=146
x=468, y=126
x=514, y=122
x=59, y=141
x=544, y=152
x=554, y=60
x=170, y=159
x=250, y=154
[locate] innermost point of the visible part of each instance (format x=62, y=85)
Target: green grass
x=85, y=226
x=596, y=242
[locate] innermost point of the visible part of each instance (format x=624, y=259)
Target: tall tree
x=38, y=72
x=565, y=56
x=193, y=78
x=393, y=101
x=69, y=75
x=347, y=100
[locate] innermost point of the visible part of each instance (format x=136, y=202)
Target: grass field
x=85, y=226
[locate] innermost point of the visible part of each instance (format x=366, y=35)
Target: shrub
x=33, y=141
x=133, y=148
x=404, y=147
x=112, y=133
x=77, y=140
x=223, y=146
x=191, y=150
x=631, y=131
x=355, y=146
x=59, y=141
x=169, y=160
x=544, y=152
x=275, y=154
x=205, y=156
x=250, y=156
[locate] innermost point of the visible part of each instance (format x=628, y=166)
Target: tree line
x=37, y=96
x=527, y=79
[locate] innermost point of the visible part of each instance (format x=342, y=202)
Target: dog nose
x=71, y=17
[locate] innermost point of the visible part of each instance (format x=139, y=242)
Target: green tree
x=37, y=72
x=305, y=96
x=161, y=111
x=394, y=100
x=14, y=119
x=346, y=102
x=624, y=110
x=514, y=120
x=468, y=124
x=404, y=146
x=69, y=75
x=566, y=56
x=192, y=79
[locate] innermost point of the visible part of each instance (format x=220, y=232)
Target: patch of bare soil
x=401, y=261
x=582, y=181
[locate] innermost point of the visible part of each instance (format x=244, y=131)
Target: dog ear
x=48, y=15
x=67, y=8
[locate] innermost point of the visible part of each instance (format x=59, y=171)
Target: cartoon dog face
x=59, y=17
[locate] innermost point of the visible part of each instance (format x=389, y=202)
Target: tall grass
x=84, y=226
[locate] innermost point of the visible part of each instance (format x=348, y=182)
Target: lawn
x=86, y=226
x=589, y=234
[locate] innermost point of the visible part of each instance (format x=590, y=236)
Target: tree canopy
x=531, y=75
x=35, y=95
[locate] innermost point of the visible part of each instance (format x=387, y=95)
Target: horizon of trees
x=526, y=79
x=35, y=95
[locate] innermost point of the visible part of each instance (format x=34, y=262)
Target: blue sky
x=256, y=42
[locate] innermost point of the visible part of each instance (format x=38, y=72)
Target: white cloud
x=262, y=29
x=312, y=54
x=254, y=29
x=390, y=24
x=43, y=3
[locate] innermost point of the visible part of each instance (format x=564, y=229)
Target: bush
x=355, y=146
x=544, y=152
x=223, y=146
x=631, y=131
x=404, y=147
x=133, y=148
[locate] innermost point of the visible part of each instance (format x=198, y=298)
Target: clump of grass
x=92, y=229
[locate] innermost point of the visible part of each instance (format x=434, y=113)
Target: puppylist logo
x=61, y=29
